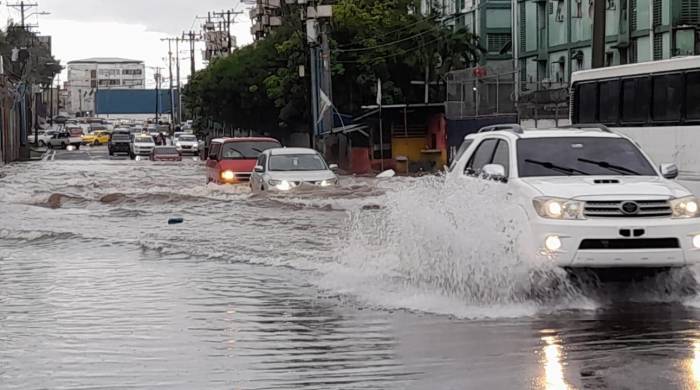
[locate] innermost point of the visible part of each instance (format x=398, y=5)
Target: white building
x=86, y=77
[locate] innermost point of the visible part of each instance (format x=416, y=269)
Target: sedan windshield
x=297, y=162
x=246, y=150
x=575, y=156
x=187, y=138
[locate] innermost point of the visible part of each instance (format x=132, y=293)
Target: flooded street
x=376, y=285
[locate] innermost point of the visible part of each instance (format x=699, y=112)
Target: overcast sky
x=126, y=28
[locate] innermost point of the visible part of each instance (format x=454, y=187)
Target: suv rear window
x=574, y=156
x=245, y=150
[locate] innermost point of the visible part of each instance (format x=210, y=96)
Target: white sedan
x=187, y=143
x=142, y=145
x=289, y=169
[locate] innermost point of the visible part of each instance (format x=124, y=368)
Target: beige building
x=86, y=77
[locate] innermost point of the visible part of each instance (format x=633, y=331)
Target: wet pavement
x=370, y=286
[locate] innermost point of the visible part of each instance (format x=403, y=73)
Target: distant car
x=142, y=145
x=120, y=143
x=45, y=136
x=165, y=153
x=187, y=143
x=59, y=140
x=96, y=138
x=288, y=169
x=76, y=135
x=231, y=160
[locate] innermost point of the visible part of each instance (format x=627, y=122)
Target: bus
x=657, y=104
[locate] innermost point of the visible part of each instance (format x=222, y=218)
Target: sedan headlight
x=557, y=208
x=685, y=207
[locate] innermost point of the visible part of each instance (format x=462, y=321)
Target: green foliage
x=259, y=86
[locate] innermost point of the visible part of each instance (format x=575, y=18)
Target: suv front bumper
x=618, y=242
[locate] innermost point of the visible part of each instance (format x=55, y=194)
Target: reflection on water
x=694, y=366
x=553, y=369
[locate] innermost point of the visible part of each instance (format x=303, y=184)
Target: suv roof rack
x=598, y=126
x=512, y=127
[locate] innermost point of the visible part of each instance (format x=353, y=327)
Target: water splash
x=458, y=241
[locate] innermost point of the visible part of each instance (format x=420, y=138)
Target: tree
x=258, y=86
x=35, y=64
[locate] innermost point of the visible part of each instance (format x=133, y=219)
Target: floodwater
x=396, y=284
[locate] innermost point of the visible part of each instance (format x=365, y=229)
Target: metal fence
x=543, y=100
x=477, y=92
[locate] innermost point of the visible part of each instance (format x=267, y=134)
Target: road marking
x=53, y=156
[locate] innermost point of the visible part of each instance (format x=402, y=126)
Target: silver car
x=290, y=169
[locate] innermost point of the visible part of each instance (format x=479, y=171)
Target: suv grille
x=621, y=244
x=614, y=208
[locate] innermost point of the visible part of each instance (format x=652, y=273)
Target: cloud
x=168, y=16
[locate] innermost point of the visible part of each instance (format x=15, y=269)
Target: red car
x=165, y=153
x=232, y=160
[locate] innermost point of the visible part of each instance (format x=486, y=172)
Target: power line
x=391, y=55
x=398, y=40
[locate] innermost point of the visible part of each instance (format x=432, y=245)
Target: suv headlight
x=328, y=182
x=685, y=207
x=557, y=208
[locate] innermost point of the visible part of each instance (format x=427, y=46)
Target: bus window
x=692, y=95
x=636, y=96
x=609, y=105
x=587, y=97
x=668, y=98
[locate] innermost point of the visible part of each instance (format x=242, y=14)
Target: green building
x=491, y=20
x=555, y=35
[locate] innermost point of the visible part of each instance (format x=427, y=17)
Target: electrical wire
x=424, y=44
x=396, y=41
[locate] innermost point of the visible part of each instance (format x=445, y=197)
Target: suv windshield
x=143, y=139
x=120, y=138
x=246, y=150
x=297, y=162
x=187, y=138
x=573, y=156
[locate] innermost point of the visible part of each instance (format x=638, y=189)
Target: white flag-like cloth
x=325, y=103
x=379, y=92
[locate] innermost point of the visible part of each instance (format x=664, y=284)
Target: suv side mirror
x=333, y=167
x=669, y=171
x=494, y=172
x=259, y=169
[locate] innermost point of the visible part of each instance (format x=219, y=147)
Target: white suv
x=593, y=199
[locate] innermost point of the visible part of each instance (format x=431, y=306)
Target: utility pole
x=179, y=90
x=191, y=38
x=598, y=57
x=157, y=77
x=226, y=16
x=170, y=71
x=23, y=7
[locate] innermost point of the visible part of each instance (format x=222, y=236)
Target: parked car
x=287, y=169
x=142, y=145
x=119, y=143
x=96, y=138
x=165, y=153
x=187, y=143
x=593, y=199
x=231, y=160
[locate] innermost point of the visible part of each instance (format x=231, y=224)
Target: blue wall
x=132, y=101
